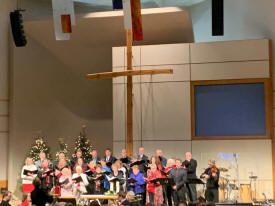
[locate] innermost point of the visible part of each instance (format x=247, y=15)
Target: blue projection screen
x=230, y=110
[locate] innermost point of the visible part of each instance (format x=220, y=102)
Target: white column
x=5, y=7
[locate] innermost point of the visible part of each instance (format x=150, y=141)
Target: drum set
x=231, y=190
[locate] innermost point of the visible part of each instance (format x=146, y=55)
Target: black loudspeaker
x=217, y=18
x=17, y=28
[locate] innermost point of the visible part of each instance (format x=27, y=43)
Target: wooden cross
x=129, y=73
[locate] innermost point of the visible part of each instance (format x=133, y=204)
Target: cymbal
x=222, y=169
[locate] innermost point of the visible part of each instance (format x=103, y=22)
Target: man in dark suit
x=179, y=174
x=162, y=159
x=142, y=156
x=191, y=168
x=109, y=158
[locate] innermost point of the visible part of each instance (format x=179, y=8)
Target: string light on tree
x=83, y=143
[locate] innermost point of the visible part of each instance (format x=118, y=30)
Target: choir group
x=155, y=180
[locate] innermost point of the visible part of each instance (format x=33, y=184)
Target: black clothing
x=5, y=203
x=212, y=186
x=125, y=203
x=191, y=174
x=143, y=167
x=111, y=159
x=180, y=177
x=40, y=197
x=46, y=182
x=163, y=161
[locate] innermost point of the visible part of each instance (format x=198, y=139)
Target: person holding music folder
x=154, y=192
x=28, y=173
x=105, y=169
x=155, y=160
x=179, y=174
x=136, y=181
x=80, y=181
x=98, y=181
x=116, y=179
x=80, y=162
x=46, y=175
x=124, y=158
x=39, y=196
x=211, y=174
x=91, y=166
x=65, y=182
x=191, y=166
x=62, y=163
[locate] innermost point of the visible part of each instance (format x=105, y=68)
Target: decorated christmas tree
x=39, y=145
x=83, y=143
x=63, y=148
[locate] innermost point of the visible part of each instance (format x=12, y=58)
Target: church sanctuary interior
x=188, y=84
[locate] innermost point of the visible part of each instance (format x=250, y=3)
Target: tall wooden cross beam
x=129, y=73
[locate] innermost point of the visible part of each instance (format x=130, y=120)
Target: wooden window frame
x=268, y=108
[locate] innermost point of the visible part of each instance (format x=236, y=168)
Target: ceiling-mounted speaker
x=17, y=28
x=217, y=17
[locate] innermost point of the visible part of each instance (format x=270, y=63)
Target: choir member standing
x=98, y=186
x=66, y=183
x=191, y=174
x=62, y=163
x=118, y=184
x=79, y=186
x=38, y=163
x=94, y=156
x=142, y=156
x=46, y=176
x=154, y=191
x=29, y=172
x=162, y=159
x=78, y=155
x=179, y=174
x=108, y=157
x=171, y=164
x=155, y=160
x=105, y=168
x=79, y=162
x=211, y=174
x=137, y=187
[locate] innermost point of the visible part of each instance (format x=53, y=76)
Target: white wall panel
x=165, y=54
x=249, y=153
x=166, y=111
x=230, y=70
x=119, y=111
x=171, y=149
x=4, y=107
x=229, y=51
x=180, y=73
x=118, y=56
